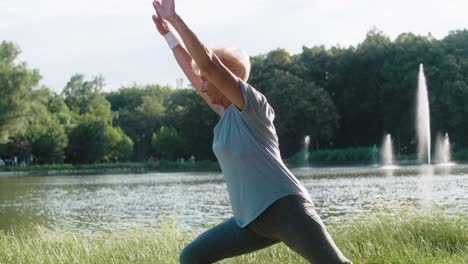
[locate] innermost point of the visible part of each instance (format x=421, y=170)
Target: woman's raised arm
x=210, y=65
x=183, y=58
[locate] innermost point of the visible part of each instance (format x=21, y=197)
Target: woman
x=269, y=203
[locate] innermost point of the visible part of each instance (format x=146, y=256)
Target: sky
x=117, y=38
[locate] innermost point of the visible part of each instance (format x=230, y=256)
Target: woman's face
x=216, y=97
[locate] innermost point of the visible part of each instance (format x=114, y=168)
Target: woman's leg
x=293, y=220
x=223, y=241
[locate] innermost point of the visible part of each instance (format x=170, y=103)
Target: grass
x=405, y=238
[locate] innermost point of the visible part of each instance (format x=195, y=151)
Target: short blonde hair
x=234, y=57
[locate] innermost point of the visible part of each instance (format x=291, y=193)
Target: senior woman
x=270, y=205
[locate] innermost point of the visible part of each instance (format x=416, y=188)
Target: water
x=193, y=200
x=442, y=150
x=386, y=154
x=423, y=125
x=306, y=149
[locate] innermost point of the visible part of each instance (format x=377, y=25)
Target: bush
x=337, y=157
x=461, y=155
x=93, y=140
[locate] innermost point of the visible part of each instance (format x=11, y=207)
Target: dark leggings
x=291, y=219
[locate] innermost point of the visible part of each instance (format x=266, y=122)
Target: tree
x=16, y=83
x=140, y=124
x=167, y=143
x=43, y=139
x=301, y=108
x=120, y=146
x=131, y=97
x=141, y=112
x=93, y=140
x=450, y=93
x=85, y=97
x=48, y=140
x=44, y=131
x=56, y=105
x=194, y=121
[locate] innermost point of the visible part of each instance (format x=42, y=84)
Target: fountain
x=386, y=153
x=306, y=149
x=423, y=126
x=442, y=150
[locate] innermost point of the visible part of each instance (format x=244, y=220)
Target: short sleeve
x=255, y=103
x=221, y=110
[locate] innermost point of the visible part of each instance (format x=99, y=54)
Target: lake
x=195, y=200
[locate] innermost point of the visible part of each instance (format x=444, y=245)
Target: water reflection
x=194, y=200
x=18, y=204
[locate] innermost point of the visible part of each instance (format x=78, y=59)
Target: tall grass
x=405, y=238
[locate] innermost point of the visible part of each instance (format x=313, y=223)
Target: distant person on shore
x=270, y=205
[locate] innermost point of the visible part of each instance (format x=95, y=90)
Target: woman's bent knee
x=188, y=255
x=191, y=255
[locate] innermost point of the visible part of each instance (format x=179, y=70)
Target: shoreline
x=109, y=168
x=213, y=166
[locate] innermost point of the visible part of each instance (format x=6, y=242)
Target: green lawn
x=405, y=238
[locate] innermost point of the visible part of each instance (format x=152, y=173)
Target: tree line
x=342, y=97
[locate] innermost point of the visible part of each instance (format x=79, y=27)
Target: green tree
x=57, y=106
x=167, y=143
x=449, y=98
x=120, y=146
x=16, y=83
x=140, y=124
x=301, y=108
x=48, y=140
x=43, y=139
x=361, y=101
x=44, y=131
x=93, y=140
x=131, y=97
x=194, y=121
x=86, y=97
x=141, y=112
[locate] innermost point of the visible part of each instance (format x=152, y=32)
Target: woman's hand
x=161, y=24
x=165, y=8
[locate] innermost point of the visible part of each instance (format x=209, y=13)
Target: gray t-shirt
x=246, y=146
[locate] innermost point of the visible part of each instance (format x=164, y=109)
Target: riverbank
x=197, y=166
x=405, y=238
x=363, y=157
x=107, y=168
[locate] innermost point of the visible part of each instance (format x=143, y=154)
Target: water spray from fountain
x=442, y=150
x=423, y=126
x=306, y=149
x=386, y=153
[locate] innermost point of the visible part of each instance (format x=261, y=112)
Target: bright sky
x=117, y=38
